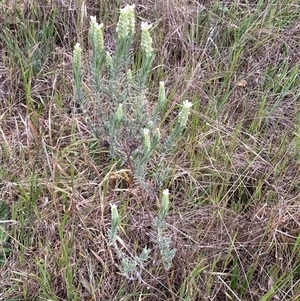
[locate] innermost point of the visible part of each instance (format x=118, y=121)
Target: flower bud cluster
x=146, y=43
x=126, y=23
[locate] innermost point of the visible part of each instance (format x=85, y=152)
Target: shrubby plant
x=117, y=108
x=116, y=105
x=163, y=242
x=131, y=266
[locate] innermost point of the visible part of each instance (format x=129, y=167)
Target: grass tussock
x=234, y=178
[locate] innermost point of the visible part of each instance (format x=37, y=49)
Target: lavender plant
x=131, y=266
x=116, y=105
x=117, y=108
x=164, y=242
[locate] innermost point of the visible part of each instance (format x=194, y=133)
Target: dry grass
x=235, y=219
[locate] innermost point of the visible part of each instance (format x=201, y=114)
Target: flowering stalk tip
x=96, y=35
x=165, y=202
x=126, y=23
x=77, y=57
x=184, y=113
x=147, y=143
x=146, y=42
